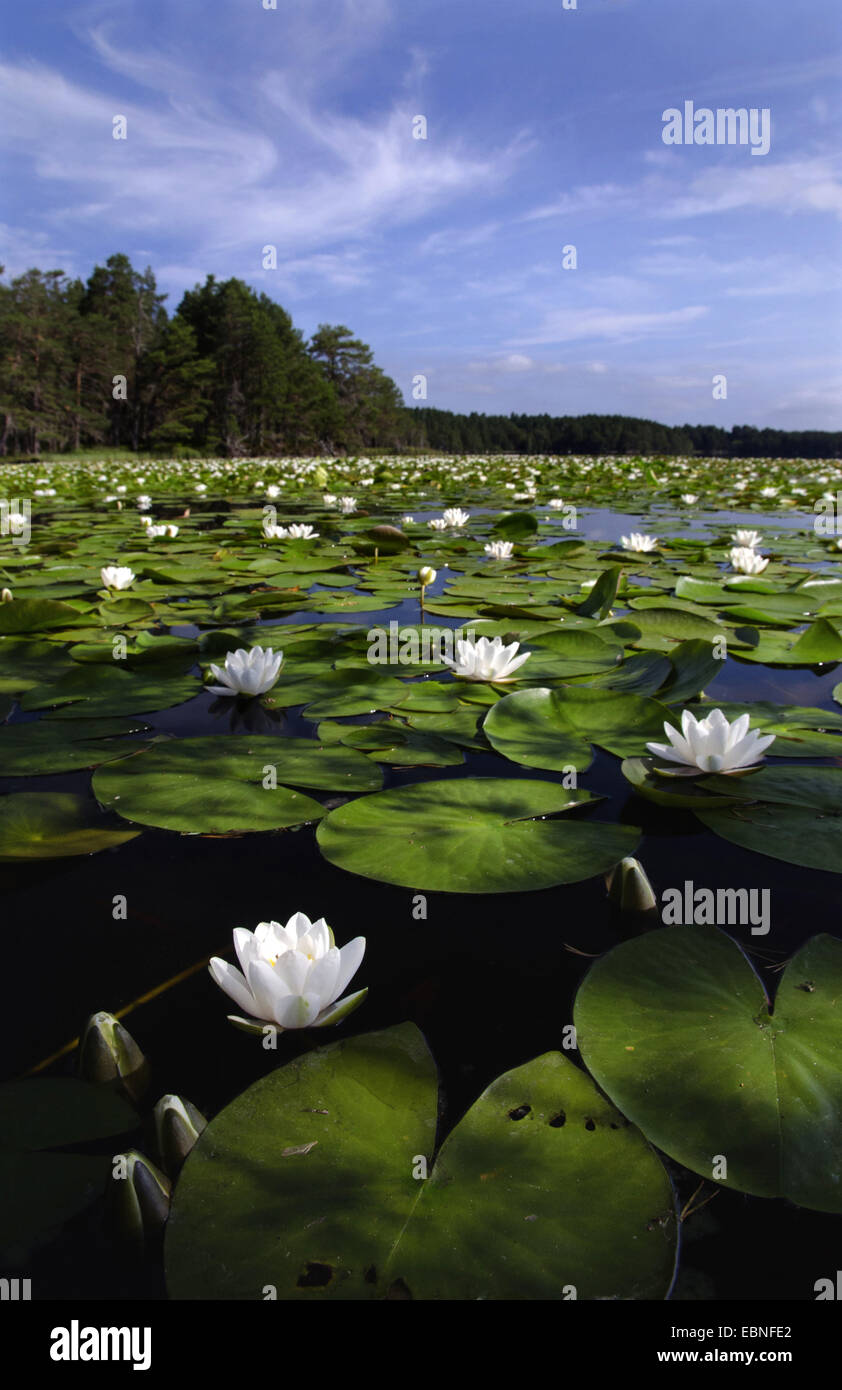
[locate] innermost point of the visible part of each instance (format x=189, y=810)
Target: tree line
x=100, y=363
x=613, y=434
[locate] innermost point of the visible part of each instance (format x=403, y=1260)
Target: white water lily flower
x=769, y=491
x=437, y=524
x=116, y=576
x=639, y=543
x=294, y=532
x=144, y=502
x=713, y=744
x=329, y=498
x=247, y=672
x=747, y=561
x=405, y=520
x=454, y=516
x=347, y=504
x=486, y=660
x=291, y=976
x=749, y=539
x=153, y=532
x=689, y=498
x=172, y=531
x=500, y=550
x=556, y=503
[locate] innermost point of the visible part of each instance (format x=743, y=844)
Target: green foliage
x=677, y=1029
x=315, y=1181
x=227, y=374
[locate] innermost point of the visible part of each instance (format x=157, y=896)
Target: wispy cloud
x=797, y=185
x=301, y=176
x=581, y=325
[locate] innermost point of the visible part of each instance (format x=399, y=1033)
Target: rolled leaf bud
x=178, y=1125
x=629, y=888
x=109, y=1055
x=138, y=1200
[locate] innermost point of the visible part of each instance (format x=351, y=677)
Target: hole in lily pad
x=557, y=1120
x=520, y=1112
x=370, y=1275
x=314, y=1275
x=590, y=1125
x=399, y=1289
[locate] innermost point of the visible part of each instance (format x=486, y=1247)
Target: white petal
x=324, y=976
x=293, y=969
x=297, y=1011
x=267, y=988
x=350, y=960
x=229, y=978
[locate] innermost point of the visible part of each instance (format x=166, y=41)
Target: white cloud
x=575, y=325
x=809, y=185
x=300, y=176
x=513, y=362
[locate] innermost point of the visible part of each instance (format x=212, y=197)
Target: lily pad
x=795, y=834
x=529, y=727
x=55, y=825
x=473, y=835
x=684, y=793
x=222, y=783
x=541, y=1191
x=28, y=750
x=678, y=1030
x=88, y=691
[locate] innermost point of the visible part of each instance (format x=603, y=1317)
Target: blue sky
x=293, y=127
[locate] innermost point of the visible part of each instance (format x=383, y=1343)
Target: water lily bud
x=319, y=476
x=5, y=595
x=426, y=575
x=178, y=1125
x=138, y=1199
x=109, y=1055
x=629, y=888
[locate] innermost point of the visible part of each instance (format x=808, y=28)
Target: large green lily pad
x=797, y=834
x=678, y=1030
x=551, y=728
x=529, y=727
x=224, y=783
x=313, y=1184
x=473, y=835
x=28, y=750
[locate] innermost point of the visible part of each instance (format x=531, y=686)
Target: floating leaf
x=28, y=750
x=473, y=835
x=54, y=825
x=215, y=785
x=676, y=1027
x=529, y=727
x=541, y=1189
